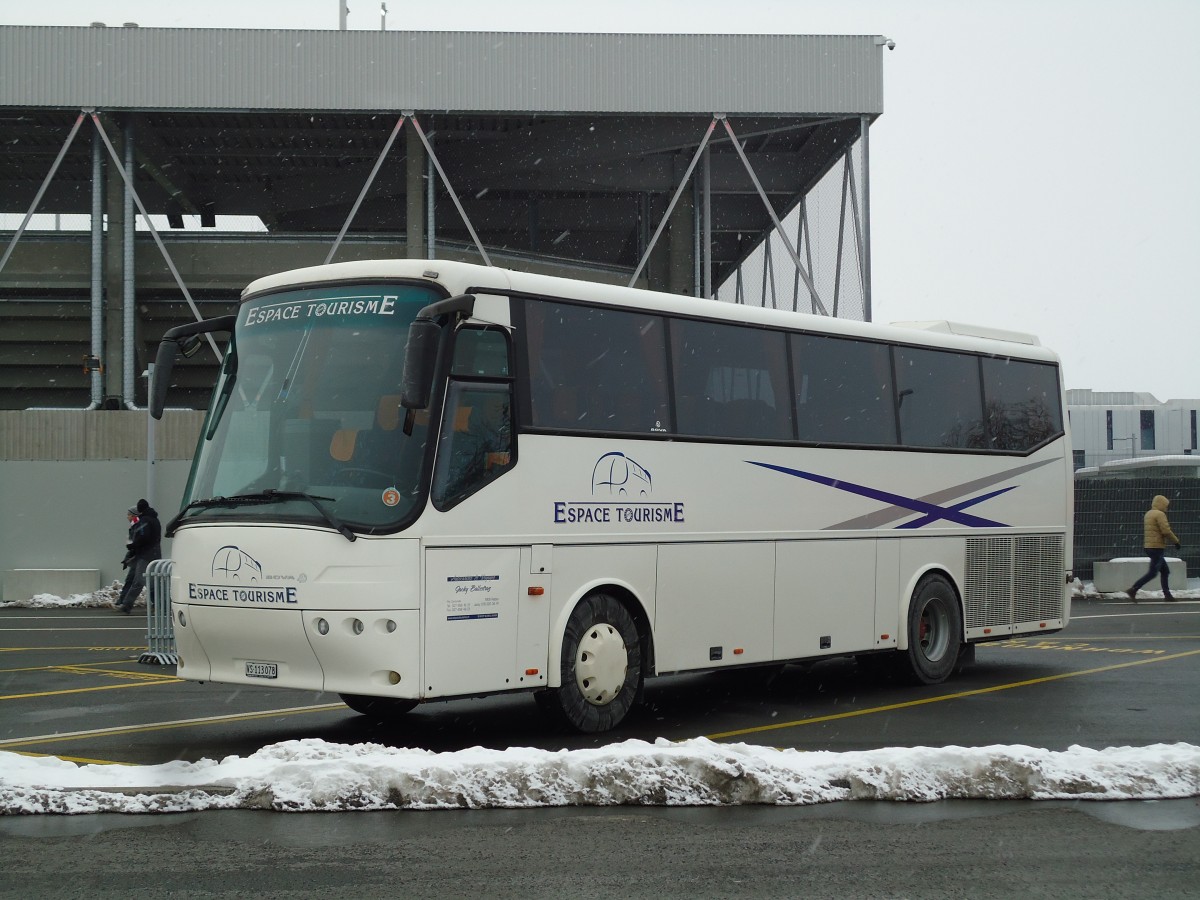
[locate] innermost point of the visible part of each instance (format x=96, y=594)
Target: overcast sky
x=1034, y=168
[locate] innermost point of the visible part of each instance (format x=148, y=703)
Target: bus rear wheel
x=934, y=631
x=601, y=667
x=378, y=707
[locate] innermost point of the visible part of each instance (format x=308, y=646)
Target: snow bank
x=314, y=775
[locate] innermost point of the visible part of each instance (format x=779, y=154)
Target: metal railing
x=160, y=630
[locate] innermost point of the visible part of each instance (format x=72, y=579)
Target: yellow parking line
x=88, y=690
x=113, y=673
x=89, y=649
x=157, y=726
x=87, y=666
x=141, y=628
x=758, y=729
x=1117, y=638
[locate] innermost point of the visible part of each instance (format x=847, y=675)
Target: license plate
x=262, y=670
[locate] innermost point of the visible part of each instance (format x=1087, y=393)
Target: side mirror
x=181, y=340
x=421, y=351
x=164, y=362
x=420, y=359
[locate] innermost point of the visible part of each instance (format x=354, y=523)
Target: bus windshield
x=307, y=408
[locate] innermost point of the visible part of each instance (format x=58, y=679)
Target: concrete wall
x=67, y=478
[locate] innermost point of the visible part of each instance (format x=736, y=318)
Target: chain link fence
x=1109, y=513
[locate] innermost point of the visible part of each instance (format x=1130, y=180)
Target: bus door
x=471, y=616
x=487, y=618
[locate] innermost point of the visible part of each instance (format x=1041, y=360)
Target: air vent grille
x=1010, y=580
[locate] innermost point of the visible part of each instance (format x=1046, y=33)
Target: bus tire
x=601, y=667
x=934, y=631
x=378, y=708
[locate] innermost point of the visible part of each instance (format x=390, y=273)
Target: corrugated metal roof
x=225, y=69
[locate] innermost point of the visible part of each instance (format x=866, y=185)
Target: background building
x=1113, y=425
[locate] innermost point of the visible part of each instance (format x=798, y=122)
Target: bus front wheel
x=601, y=666
x=934, y=631
x=378, y=707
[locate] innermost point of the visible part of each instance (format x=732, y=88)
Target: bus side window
x=843, y=391
x=475, y=447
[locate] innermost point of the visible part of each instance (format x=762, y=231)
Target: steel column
x=866, y=216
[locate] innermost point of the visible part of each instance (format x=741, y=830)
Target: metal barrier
x=160, y=630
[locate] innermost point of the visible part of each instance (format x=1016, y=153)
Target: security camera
x=891, y=45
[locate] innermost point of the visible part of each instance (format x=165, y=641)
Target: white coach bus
x=423, y=480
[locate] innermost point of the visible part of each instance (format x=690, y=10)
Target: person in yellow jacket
x=1158, y=535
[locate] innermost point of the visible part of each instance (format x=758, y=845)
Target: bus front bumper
x=373, y=652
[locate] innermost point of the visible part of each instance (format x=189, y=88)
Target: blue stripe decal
x=932, y=511
x=918, y=523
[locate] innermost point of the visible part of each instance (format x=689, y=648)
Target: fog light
x=182, y=619
x=322, y=626
x=391, y=626
x=358, y=626
x=394, y=677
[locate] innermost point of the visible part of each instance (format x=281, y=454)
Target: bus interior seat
x=341, y=445
x=387, y=412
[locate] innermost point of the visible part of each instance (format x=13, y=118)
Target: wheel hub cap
x=601, y=664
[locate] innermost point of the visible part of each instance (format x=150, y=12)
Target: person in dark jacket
x=144, y=546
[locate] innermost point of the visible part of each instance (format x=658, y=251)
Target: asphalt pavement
x=71, y=686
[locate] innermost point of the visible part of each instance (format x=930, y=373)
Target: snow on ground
x=316, y=775
x=104, y=597
x=313, y=775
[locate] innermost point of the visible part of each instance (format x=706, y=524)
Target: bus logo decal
x=627, y=483
x=899, y=506
x=618, y=475
x=236, y=564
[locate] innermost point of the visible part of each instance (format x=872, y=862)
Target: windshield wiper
x=270, y=495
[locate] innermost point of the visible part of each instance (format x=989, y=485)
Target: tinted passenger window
x=475, y=447
x=480, y=351
x=730, y=382
x=843, y=391
x=1022, y=402
x=939, y=400
x=596, y=369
